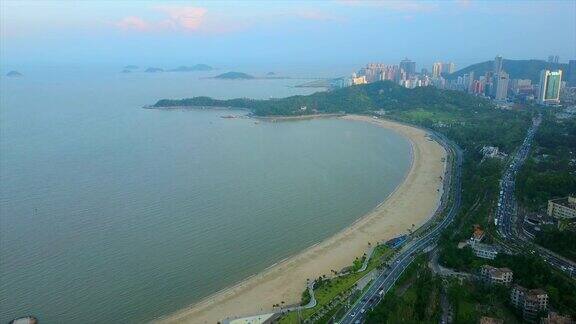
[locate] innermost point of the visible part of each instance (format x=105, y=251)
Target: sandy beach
x=413, y=202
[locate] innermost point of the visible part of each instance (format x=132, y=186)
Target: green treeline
x=416, y=298
x=356, y=99
x=550, y=172
x=561, y=242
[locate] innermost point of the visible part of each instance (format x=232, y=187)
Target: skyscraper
x=550, y=86
x=501, y=86
x=448, y=67
x=436, y=69
x=553, y=59
x=470, y=83
x=571, y=73
x=497, y=64
x=408, y=66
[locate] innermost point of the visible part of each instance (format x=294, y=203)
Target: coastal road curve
x=388, y=277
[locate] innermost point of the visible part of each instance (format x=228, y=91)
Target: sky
x=283, y=32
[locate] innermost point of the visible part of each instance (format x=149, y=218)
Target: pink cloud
x=394, y=5
x=187, y=18
x=178, y=18
x=133, y=23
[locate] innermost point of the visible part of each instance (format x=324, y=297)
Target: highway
x=386, y=279
x=507, y=209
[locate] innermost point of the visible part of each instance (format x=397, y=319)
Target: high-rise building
x=448, y=67
x=470, y=83
x=436, y=69
x=553, y=59
x=439, y=67
x=408, y=66
x=501, y=86
x=497, y=64
x=571, y=73
x=550, y=82
x=478, y=87
x=379, y=71
x=521, y=86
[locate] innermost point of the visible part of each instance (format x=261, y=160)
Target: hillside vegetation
x=550, y=170
x=517, y=69
x=356, y=99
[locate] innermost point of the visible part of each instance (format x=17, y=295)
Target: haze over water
x=114, y=213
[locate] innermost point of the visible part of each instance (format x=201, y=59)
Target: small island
x=197, y=67
x=131, y=67
x=13, y=74
x=154, y=70
x=234, y=76
x=126, y=71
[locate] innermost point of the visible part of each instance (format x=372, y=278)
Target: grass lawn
x=331, y=288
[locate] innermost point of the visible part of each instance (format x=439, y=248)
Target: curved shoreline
x=286, y=279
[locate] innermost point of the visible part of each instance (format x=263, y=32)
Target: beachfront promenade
x=388, y=277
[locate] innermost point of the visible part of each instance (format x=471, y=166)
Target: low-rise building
x=562, y=208
x=490, y=320
x=484, y=251
x=492, y=275
x=554, y=318
x=477, y=235
x=489, y=151
x=529, y=301
x=358, y=80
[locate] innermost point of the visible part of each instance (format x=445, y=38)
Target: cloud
x=394, y=5
x=189, y=19
x=186, y=18
x=133, y=23
x=177, y=18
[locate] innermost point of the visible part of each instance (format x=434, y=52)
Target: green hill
x=518, y=69
x=197, y=67
x=234, y=76
x=356, y=99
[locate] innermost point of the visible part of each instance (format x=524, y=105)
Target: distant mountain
x=13, y=74
x=270, y=73
x=234, y=76
x=517, y=69
x=130, y=67
x=154, y=70
x=197, y=67
x=126, y=71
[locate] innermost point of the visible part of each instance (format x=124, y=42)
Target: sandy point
x=413, y=202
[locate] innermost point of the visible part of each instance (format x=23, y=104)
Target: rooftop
x=496, y=272
x=531, y=292
x=569, y=202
